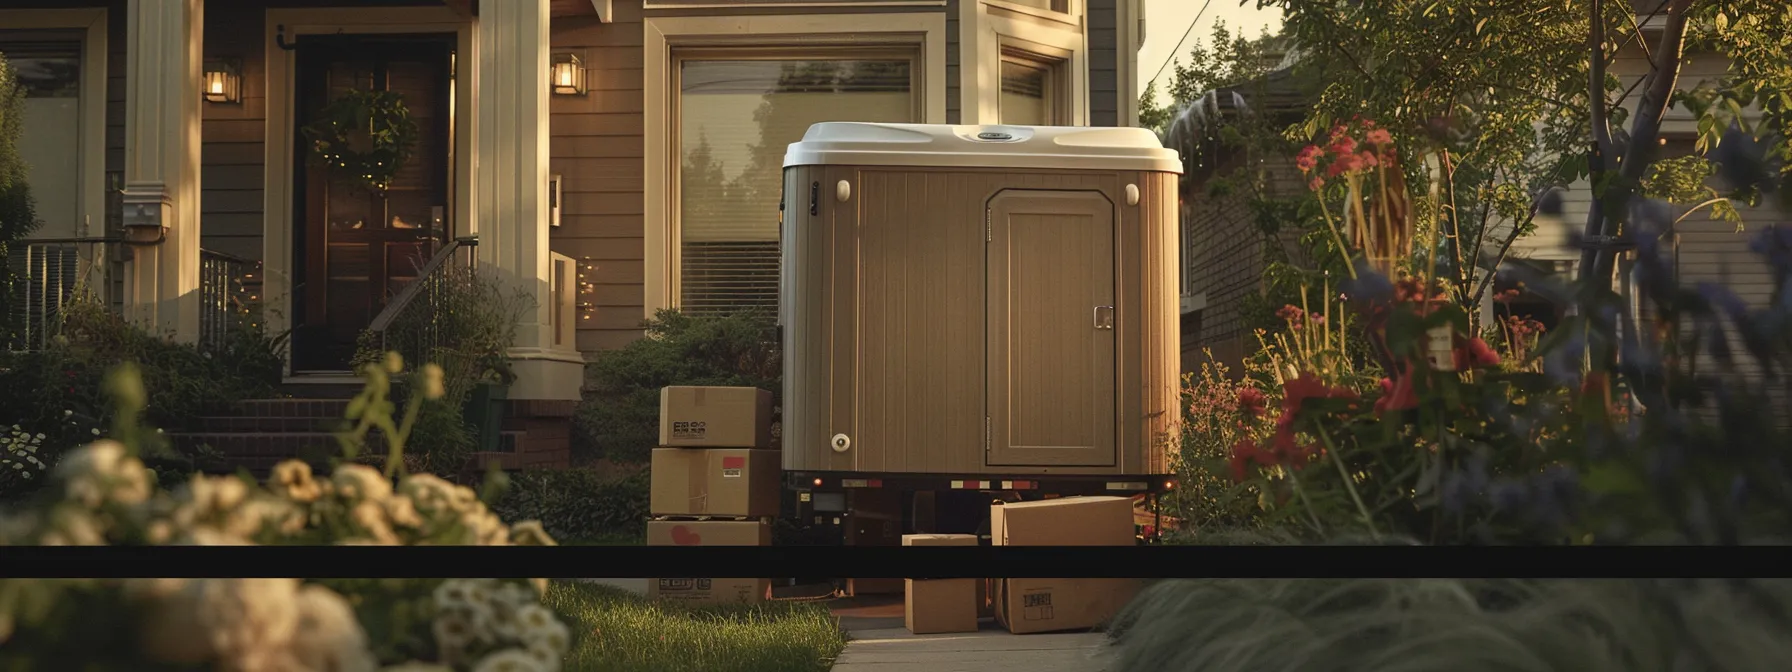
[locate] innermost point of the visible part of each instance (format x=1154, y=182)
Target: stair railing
x=421, y=303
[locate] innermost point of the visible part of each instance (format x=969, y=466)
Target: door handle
x=1104, y=317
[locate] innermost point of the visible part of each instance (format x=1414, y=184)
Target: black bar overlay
x=915, y=562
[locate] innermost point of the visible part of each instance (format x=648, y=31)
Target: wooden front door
x=357, y=247
x=1052, y=369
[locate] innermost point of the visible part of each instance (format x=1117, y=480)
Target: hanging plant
x=364, y=137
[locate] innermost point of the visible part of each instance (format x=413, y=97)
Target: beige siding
x=232, y=136
x=597, y=151
x=886, y=295
x=1226, y=257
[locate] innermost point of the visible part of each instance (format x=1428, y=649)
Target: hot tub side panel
x=885, y=318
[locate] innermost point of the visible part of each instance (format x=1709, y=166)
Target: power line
x=1178, y=48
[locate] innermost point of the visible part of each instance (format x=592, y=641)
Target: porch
x=195, y=183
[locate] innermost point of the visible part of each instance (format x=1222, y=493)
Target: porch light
x=567, y=76
x=223, y=81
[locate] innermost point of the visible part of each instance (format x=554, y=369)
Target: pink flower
x=1380, y=137
x=1308, y=158
x=1342, y=147
x=1346, y=163
x=1316, y=183
x=1368, y=159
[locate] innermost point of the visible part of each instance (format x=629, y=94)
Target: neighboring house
x=646, y=177
x=1224, y=250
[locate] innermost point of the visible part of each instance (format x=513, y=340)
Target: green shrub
x=619, y=419
x=106, y=495
x=18, y=217
x=1227, y=625
x=580, y=504
x=56, y=391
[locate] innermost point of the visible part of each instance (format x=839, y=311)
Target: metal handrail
x=382, y=323
x=49, y=280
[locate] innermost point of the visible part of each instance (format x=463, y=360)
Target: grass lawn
x=617, y=630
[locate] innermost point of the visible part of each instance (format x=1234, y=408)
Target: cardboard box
x=714, y=482
x=710, y=591
x=1067, y=521
x=1050, y=605
x=709, y=533
x=1027, y=606
x=939, y=606
x=715, y=417
x=943, y=605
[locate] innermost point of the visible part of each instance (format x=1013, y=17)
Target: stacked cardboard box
x=1048, y=605
x=941, y=605
x=715, y=482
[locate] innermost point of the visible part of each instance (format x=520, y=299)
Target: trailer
x=974, y=313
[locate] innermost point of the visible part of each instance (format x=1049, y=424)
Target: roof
x=957, y=146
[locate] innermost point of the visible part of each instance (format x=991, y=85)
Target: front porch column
x=163, y=52
x=511, y=192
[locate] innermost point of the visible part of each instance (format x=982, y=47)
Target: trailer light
x=1169, y=485
x=817, y=482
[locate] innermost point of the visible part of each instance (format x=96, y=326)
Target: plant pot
x=484, y=411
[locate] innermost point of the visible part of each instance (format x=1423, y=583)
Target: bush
x=619, y=419
x=57, y=391
x=1225, y=625
x=18, y=217
x=107, y=496
x=582, y=504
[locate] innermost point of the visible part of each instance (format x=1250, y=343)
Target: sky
x=1166, y=20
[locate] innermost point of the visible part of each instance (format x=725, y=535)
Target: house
x=609, y=157
x=1225, y=253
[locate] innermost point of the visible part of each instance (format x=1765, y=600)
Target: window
x=1060, y=6
x=48, y=66
x=735, y=116
x=1032, y=90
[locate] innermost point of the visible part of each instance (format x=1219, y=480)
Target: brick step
x=293, y=408
x=233, y=424
x=342, y=390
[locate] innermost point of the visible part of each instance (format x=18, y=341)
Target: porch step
x=259, y=451
x=267, y=423
x=310, y=407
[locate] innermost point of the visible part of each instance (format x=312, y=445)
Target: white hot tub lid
x=957, y=146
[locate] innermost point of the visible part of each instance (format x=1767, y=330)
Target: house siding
x=233, y=137
x=597, y=148
x=1104, y=62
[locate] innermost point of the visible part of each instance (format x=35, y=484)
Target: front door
x=1051, y=323
x=357, y=246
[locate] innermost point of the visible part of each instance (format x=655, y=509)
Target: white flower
x=414, y=666
x=509, y=660
x=534, y=618
x=530, y=533
x=327, y=636
x=452, y=593
x=452, y=633
x=244, y=618
x=206, y=536
x=357, y=482
x=554, y=636
x=369, y=516
x=549, y=659
x=101, y=471
x=71, y=526
x=219, y=495
x=293, y=480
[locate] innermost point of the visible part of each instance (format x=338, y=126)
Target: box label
x=667, y=585
x=732, y=467
x=1036, y=606
x=689, y=429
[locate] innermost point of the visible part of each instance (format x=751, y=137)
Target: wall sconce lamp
x=223, y=81
x=567, y=75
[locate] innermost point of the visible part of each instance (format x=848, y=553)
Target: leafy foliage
x=580, y=504
x=619, y=419
x=364, y=137
x=18, y=217
x=105, y=495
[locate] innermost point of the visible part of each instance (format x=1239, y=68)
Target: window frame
x=791, y=36
x=1057, y=78
x=992, y=27
x=90, y=209
x=675, y=109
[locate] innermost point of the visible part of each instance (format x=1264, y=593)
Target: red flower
x=1293, y=315
x=1342, y=147
x=1297, y=390
x=1379, y=136
x=1474, y=353
x=1243, y=453
x=1367, y=159
x=1251, y=401
x=1308, y=158
x=1396, y=394
x=1316, y=183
